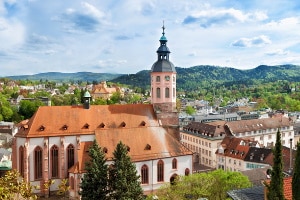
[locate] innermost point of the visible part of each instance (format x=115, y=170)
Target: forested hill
x=189, y=79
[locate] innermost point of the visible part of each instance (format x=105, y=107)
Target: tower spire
x=163, y=28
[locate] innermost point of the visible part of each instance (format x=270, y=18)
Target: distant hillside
x=188, y=79
x=67, y=77
x=192, y=78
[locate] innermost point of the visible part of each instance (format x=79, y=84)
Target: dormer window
x=148, y=147
x=123, y=124
x=128, y=148
x=105, y=150
x=86, y=126
x=65, y=127
x=143, y=123
x=102, y=125
x=42, y=128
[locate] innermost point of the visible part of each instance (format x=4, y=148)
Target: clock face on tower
x=167, y=78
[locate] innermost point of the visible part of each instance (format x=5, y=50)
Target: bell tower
x=163, y=85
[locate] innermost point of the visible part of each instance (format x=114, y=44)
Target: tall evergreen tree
x=296, y=176
x=276, y=185
x=123, y=179
x=95, y=181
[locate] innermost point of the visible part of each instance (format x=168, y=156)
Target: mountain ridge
x=187, y=78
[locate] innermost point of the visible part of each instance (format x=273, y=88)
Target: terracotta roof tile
x=71, y=120
x=149, y=143
x=287, y=187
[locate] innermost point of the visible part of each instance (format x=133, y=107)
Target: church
x=53, y=143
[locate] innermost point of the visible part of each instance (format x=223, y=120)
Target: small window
x=148, y=147
x=42, y=128
x=102, y=125
x=158, y=79
x=123, y=124
x=143, y=123
x=86, y=126
x=65, y=127
x=174, y=163
x=105, y=150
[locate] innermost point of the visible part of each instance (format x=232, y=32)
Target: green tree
x=275, y=188
x=203, y=185
x=63, y=188
x=190, y=110
x=28, y=108
x=115, y=98
x=94, y=182
x=124, y=182
x=296, y=175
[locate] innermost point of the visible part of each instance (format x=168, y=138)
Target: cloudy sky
x=122, y=36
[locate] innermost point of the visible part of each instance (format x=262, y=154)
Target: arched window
x=174, y=163
x=54, y=161
x=173, y=92
x=145, y=174
x=38, y=163
x=158, y=92
x=70, y=155
x=187, y=172
x=167, y=93
x=21, y=160
x=160, y=171
x=158, y=79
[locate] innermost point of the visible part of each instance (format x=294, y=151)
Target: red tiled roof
x=72, y=120
x=149, y=143
x=287, y=187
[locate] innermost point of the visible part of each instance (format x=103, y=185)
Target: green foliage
x=115, y=98
x=190, y=110
x=296, y=176
x=211, y=185
x=94, y=182
x=12, y=186
x=124, y=182
x=63, y=188
x=275, y=188
x=28, y=108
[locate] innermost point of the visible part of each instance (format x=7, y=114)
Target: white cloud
x=210, y=17
x=252, y=42
x=277, y=52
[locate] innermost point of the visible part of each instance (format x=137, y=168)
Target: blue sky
x=122, y=36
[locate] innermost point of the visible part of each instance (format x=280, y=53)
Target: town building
x=102, y=90
x=238, y=154
x=263, y=130
x=54, y=143
x=203, y=139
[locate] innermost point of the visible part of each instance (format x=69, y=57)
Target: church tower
x=163, y=85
